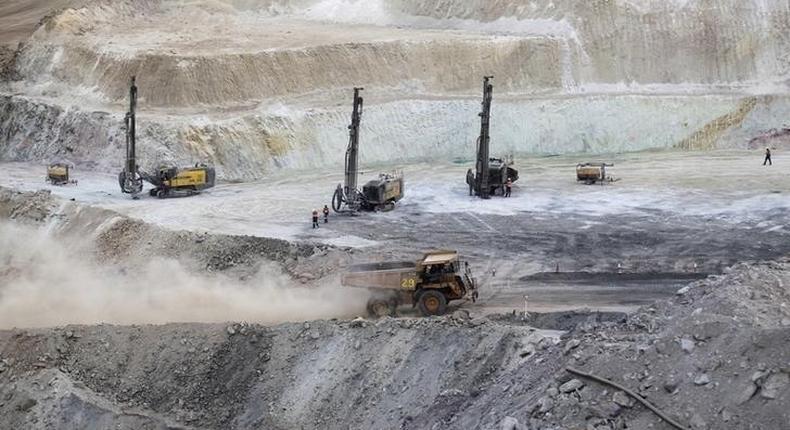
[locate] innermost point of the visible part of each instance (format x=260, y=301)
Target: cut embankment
x=48, y=281
x=62, y=263
x=256, y=142
x=240, y=79
x=258, y=86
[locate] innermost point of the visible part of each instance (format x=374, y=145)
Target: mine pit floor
x=681, y=214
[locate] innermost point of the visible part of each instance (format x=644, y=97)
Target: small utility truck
x=58, y=174
x=590, y=173
x=430, y=283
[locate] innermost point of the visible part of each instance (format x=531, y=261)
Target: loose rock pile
x=125, y=241
x=716, y=356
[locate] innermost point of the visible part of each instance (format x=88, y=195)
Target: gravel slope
x=716, y=356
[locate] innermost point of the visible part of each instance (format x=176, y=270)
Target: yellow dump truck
x=430, y=283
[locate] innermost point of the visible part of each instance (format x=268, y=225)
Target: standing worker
x=315, y=218
x=768, y=157
x=508, y=187
x=326, y=214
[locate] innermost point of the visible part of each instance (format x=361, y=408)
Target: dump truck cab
x=436, y=279
x=444, y=278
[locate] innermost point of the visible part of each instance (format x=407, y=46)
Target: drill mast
x=348, y=194
x=482, y=183
x=131, y=129
x=352, y=153
x=129, y=179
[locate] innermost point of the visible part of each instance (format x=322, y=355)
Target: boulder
x=570, y=386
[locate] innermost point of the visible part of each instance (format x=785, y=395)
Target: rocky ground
x=713, y=357
x=6, y=60
x=122, y=240
x=64, y=262
x=114, y=312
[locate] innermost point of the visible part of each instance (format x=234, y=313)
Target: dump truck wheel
x=432, y=302
x=378, y=308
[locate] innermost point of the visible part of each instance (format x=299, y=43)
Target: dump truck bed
x=389, y=275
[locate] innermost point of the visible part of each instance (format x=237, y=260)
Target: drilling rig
x=490, y=174
x=168, y=181
x=129, y=179
x=378, y=194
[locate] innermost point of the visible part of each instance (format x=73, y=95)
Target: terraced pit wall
x=257, y=86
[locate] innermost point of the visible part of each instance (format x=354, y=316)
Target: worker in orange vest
x=315, y=218
x=508, y=187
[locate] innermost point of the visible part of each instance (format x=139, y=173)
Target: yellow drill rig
x=376, y=195
x=168, y=181
x=490, y=174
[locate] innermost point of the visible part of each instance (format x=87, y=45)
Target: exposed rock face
x=254, y=86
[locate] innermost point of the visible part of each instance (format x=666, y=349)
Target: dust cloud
x=47, y=281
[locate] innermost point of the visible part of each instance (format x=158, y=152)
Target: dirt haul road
x=672, y=217
x=712, y=356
